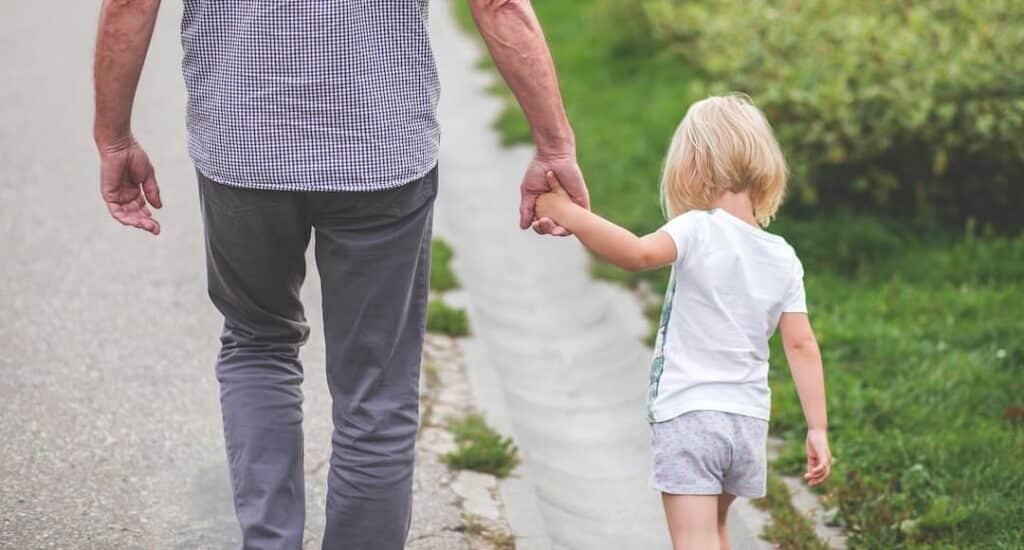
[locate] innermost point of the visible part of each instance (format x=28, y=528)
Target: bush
x=481, y=448
x=901, y=107
x=445, y=319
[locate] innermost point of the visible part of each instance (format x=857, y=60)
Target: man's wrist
x=557, y=145
x=111, y=141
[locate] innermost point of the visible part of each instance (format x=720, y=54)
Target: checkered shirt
x=310, y=95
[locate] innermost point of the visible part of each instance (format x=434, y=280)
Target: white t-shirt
x=731, y=284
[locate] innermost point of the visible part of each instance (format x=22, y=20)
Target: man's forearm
x=517, y=45
x=125, y=29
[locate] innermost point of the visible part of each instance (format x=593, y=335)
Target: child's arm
x=805, y=364
x=612, y=243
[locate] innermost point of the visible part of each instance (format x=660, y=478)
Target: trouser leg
x=373, y=254
x=255, y=247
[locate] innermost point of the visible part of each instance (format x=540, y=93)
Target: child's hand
x=819, y=457
x=552, y=203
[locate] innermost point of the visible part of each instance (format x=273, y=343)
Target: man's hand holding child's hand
x=554, y=203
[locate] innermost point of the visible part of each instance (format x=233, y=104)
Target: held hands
x=128, y=185
x=552, y=205
x=536, y=184
x=819, y=457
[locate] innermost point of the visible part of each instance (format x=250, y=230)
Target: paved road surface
x=111, y=432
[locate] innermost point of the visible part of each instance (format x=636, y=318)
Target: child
x=732, y=285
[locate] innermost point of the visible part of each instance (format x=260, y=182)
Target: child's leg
x=724, y=500
x=692, y=521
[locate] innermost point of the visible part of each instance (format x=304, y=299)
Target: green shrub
x=442, y=278
x=481, y=448
x=911, y=108
x=445, y=319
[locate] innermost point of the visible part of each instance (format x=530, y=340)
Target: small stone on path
x=477, y=492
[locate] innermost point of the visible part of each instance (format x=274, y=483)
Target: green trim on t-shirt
x=658, y=362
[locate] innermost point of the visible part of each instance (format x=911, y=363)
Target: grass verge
x=788, y=527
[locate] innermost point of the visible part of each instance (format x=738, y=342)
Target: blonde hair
x=724, y=143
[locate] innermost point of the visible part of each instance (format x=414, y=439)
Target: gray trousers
x=373, y=254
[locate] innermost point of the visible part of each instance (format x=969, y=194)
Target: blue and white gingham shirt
x=310, y=95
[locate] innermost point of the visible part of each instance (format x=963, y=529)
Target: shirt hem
x=665, y=414
x=383, y=185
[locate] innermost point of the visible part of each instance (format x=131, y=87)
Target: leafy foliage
x=886, y=105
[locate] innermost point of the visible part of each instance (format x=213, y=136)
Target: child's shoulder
x=690, y=218
x=691, y=224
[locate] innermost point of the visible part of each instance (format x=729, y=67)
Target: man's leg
x=255, y=249
x=373, y=253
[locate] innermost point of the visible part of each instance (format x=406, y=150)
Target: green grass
x=481, y=448
x=922, y=329
x=444, y=319
x=925, y=370
x=787, y=525
x=442, y=278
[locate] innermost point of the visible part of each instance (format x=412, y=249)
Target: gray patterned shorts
x=710, y=453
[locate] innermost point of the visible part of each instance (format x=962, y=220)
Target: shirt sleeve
x=796, y=298
x=684, y=230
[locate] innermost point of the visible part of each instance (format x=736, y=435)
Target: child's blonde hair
x=724, y=143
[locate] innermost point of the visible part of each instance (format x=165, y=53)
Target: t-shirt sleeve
x=684, y=230
x=796, y=298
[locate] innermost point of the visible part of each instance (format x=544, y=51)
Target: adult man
x=317, y=116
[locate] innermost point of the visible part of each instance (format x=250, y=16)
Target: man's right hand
x=535, y=184
x=128, y=185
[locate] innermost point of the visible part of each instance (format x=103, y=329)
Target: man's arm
x=516, y=43
x=127, y=181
